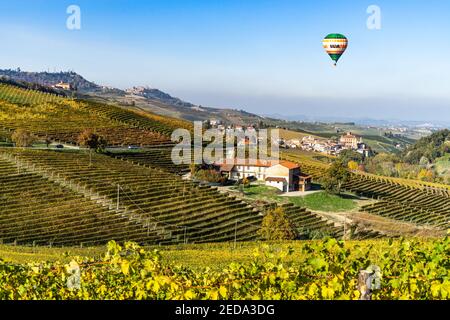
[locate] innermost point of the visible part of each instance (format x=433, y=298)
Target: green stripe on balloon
x=335, y=36
x=335, y=57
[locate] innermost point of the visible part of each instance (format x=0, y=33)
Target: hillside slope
x=144, y=98
x=61, y=119
x=163, y=208
x=415, y=201
x=428, y=149
x=51, y=78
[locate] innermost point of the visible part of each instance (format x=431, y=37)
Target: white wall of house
x=280, y=171
x=282, y=186
x=261, y=173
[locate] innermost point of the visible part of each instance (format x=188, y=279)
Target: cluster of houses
x=219, y=125
x=348, y=141
x=283, y=175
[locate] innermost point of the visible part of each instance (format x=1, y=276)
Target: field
x=315, y=201
x=405, y=269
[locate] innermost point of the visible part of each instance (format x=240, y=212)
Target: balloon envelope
x=335, y=45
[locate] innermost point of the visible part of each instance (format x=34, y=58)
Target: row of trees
x=391, y=165
x=23, y=138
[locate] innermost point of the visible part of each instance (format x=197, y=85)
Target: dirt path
x=383, y=225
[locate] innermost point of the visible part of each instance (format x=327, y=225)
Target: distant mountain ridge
x=51, y=78
x=139, y=97
x=151, y=93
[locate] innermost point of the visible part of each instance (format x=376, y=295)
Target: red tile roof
x=262, y=163
x=289, y=164
x=247, y=162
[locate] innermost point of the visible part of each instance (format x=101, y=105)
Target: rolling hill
x=70, y=201
x=146, y=99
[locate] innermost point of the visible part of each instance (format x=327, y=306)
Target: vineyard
x=404, y=212
x=157, y=157
x=401, y=199
x=159, y=206
x=62, y=120
x=52, y=214
x=316, y=168
x=18, y=95
x=140, y=119
x=404, y=269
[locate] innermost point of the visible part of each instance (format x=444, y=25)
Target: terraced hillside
x=157, y=157
x=36, y=210
x=62, y=119
x=405, y=200
x=310, y=225
x=156, y=200
x=430, y=202
x=158, y=206
x=402, y=203
x=18, y=95
x=139, y=118
x=405, y=212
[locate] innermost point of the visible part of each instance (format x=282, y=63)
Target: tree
x=209, y=175
x=430, y=147
x=352, y=165
x=276, y=225
x=425, y=175
x=22, y=138
x=335, y=176
x=349, y=155
x=93, y=141
x=47, y=141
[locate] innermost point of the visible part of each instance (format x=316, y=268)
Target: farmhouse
x=284, y=175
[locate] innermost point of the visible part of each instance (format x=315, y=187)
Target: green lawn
x=316, y=201
x=322, y=201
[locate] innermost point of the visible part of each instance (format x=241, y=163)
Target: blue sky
x=261, y=56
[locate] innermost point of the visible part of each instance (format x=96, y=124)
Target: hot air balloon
x=335, y=45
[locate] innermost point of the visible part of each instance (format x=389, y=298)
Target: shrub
x=23, y=138
x=335, y=176
x=276, y=225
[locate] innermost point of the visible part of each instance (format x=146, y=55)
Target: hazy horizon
x=265, y=57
